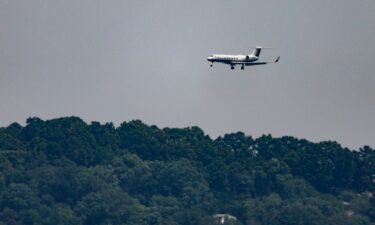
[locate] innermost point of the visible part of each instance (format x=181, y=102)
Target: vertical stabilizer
x=256, y=51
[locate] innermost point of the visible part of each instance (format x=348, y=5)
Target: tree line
x=65, y=171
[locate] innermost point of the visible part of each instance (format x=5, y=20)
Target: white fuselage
x=232, y=59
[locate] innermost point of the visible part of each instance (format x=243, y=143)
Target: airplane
x=243, y=60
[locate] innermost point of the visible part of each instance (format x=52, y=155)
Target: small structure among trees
x=221, y=218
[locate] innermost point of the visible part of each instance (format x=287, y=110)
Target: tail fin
x=256, y=51
x=277, y=60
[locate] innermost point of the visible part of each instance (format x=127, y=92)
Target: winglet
x=277, y=60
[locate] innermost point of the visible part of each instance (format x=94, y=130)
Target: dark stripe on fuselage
x=228, y=61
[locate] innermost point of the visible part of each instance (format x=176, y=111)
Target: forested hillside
x=64, y=171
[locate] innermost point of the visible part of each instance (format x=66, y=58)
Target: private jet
x=243, y=60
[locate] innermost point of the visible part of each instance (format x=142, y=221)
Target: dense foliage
x=64, y=171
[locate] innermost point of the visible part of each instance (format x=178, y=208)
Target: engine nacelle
x=247, y=57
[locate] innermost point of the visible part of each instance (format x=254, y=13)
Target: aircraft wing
x=249, y=63
x=254, y=63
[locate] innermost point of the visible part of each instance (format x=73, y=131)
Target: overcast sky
x=114, y=61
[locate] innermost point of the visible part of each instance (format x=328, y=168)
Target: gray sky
x=121, y=60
